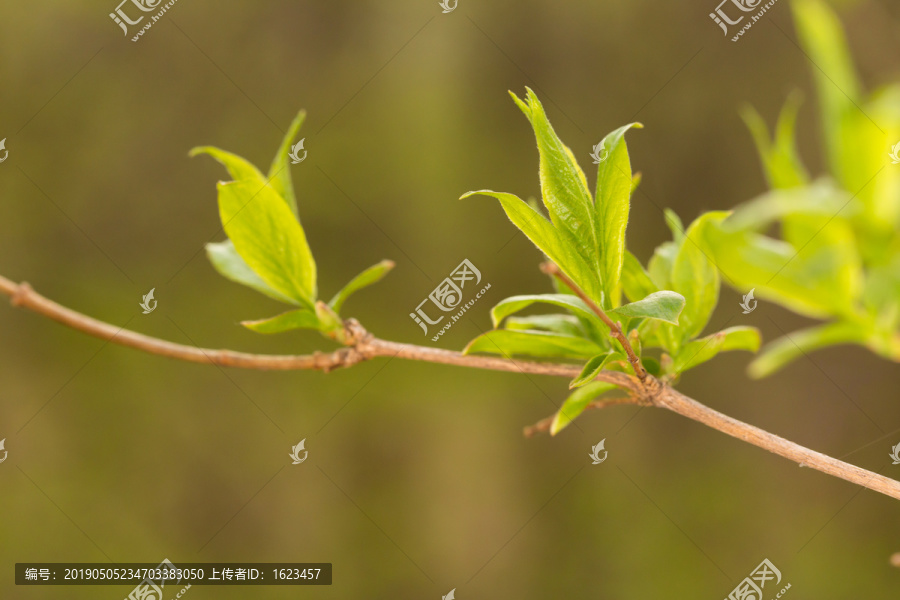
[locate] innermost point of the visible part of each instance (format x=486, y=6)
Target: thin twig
x=615, y=328
x=363, y=346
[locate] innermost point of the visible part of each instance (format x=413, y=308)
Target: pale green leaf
x=533, y=343
x=229, y=264
x=516, y=303
x=703, y=349
x=280, y=171
x=576, y=403
x=636, y=282
x=593, y=367
x=564, y=324
x=696, y=277
x=370, y=276
x=799, y=343
x=295, y=319
x=664, y=306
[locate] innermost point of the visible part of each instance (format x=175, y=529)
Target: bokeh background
x=418, y=479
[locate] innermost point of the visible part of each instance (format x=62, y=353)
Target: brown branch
x=363, y=346
x=615, y=328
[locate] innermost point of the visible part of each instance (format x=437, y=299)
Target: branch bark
x=364, y=346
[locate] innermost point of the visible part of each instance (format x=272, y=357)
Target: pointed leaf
x=664, y=306
x=269, y=239
x=696, y=277
x=593, y=367
x=799, y=343
x=576, y=403
x=238, y=167
x=564, y=324
x=295, y=319
x=700, y=351
x=516, y=303
x=370, y=276
x=636, y=282
x=280, y=171
x=533, y=343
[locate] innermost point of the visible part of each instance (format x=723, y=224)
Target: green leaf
x=664, y=305
x=516, y=303
x=613, y=199
x=280, y=171
x=673, y=222
x=660, y=266
x=295, y=319
x=696, y=277
x=549, y=240
x=370, y=276
x=269, y=239
x=238, y=167
x=593, y=367
x=229, y=264
x=533, y=343
x=798, y=343
x=781, y=162
x=636, y=282
x=564, y=324
x=700, y=351
x=563, y=185
x=576, y=403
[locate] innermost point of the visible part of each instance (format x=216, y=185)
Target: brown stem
x=615, y=328
x=363, y=346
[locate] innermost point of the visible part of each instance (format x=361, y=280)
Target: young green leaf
x=703, y=349
x=696, y=277
x=576, y=403
x=229, y=264
x=636, y=282
x=613, y=199
x=780, y=160
x=516, y=303
x=664, y=306
x=533, y=343
x=563, y=185
x=280, y=171
x=557, y=245
x=370, y=276
x=238, y=167
x=593, y=367
x=798, y=343
x=295, y=319
x=269, y=239
x=564, y=324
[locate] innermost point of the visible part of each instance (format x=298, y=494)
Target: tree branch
x=361, y=346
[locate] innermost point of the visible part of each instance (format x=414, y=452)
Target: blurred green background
x=419, y=479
